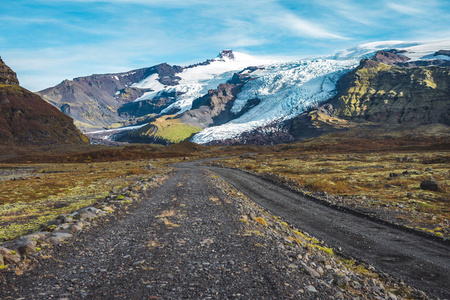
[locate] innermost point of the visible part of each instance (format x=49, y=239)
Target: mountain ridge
x=275, y=93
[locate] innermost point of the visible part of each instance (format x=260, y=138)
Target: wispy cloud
x=303, y=28
x=28, y=20
x=405, y=9
x=46, y=41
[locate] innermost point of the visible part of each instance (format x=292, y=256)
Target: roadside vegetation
x=384, y=184
x=32, y=198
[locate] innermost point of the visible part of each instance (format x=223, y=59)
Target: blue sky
x=48, y=41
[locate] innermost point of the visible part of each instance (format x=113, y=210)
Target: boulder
x=37, y=236
x=90, y=209
x=87, y=216
x=75, y=228
x=310, y=271
x=340, y=280
x=58, y=237
x=8, y=256
x=27, y=249
x=430, y=185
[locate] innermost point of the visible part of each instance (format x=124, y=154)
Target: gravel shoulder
x=194, y=237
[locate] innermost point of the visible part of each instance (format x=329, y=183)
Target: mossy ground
x=59, y=188
x=68, y=178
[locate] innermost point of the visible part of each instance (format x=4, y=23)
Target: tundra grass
x=387, y=184
x=53, y=189
x=168, y=129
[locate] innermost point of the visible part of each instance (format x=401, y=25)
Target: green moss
x=302, y=235
x=323, y=249
x=167, y=129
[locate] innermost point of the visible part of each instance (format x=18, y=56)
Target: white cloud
x=303, y=28
x=405, y=9
x=29, y=20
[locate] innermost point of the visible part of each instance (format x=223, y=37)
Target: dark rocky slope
x=215, y=107
x=26, y=119
x=93, y=100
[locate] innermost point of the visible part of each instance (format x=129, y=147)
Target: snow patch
x=151, y=82
x=414, y=50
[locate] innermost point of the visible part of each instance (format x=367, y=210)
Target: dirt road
x=419, y=261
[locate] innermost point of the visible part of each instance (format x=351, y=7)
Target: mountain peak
x=227, y=53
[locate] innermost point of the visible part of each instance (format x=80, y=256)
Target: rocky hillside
x=93, y=101
x=26, y=119
x=379, y=94
x=7, y=76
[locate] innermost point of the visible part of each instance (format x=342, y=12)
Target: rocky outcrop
x=151, y=106
x=390, y=57
x=26, y=119
x=379, y=93
x=442, y=52
x=227, y=54
x=213, y=108
x=7, y=76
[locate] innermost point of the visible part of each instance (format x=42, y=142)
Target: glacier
x=196, y=81
x=285, y=90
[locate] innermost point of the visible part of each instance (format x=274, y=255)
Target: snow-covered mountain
x=275, y=91
x=195, y=81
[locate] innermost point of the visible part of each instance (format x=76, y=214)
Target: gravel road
x=183, y=240
x=419, y=261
